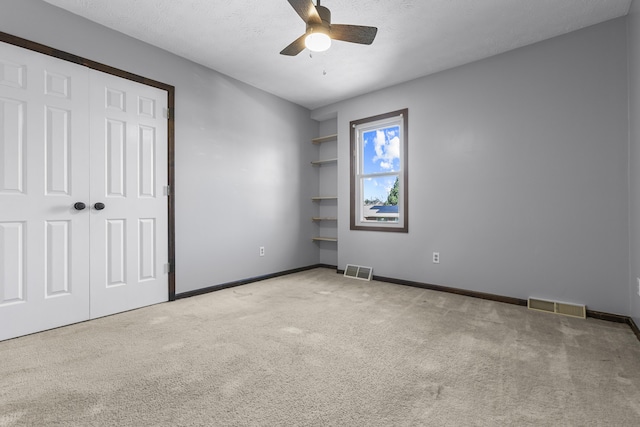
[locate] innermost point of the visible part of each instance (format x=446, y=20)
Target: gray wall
x=242, y=155
x=517, y=174
x=634, y=156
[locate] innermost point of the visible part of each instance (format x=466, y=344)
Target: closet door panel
x=44, y=165
x=128, y=175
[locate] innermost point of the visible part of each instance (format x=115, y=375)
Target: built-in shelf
x=326, y=218
x=322, y=139
x=324, y=162
x=324, y=239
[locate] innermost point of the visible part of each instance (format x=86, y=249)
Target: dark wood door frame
x=37, y=47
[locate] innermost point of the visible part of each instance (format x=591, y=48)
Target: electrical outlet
x=261, y=250
x=436, y=257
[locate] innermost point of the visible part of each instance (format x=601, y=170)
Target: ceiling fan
x=320, y=31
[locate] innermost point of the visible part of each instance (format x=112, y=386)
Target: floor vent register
x=358, y=272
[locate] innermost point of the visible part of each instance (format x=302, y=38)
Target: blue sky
x=381, y=155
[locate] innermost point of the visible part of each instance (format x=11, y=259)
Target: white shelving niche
x=326, y=200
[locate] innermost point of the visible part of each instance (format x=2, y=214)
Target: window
x=379, y=178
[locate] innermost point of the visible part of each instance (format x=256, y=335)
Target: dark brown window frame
x=69, y=57
x=404, y=113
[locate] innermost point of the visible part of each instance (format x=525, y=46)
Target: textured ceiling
x=243, y=39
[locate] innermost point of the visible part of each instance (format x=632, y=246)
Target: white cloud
x=387, y=150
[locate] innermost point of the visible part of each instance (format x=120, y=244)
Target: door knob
x=79, y=206
x=99, y=206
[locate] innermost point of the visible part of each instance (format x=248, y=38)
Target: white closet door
x=44, y=165
x=129, y=237
x=72, y=135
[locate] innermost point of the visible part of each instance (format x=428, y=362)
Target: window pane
x=380, y=199
x=381, y=150
x=379, y=174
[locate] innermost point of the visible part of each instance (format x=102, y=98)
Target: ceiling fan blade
x=306, y=10
x=296, y=47
x=353, y=33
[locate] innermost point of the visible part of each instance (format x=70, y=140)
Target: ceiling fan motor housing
x=325, y=26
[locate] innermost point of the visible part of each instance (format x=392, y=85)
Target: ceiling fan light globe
x=317, y=42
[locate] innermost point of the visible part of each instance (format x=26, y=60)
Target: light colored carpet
x=316, y=349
